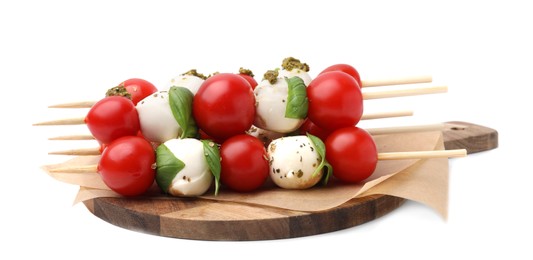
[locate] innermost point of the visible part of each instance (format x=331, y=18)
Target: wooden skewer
x=366, y=83
x=405, y=129
x=386, y=114
x=422, y=155
x=67, y=121
x=381, y=156
x=76, y=169
x=78, y=152
x=368, y=116
x=81, y=104
x=366, y=95
x=372, y=131
x=405, y=92
x=81, y=151
x=397, y=81
x=71, y=137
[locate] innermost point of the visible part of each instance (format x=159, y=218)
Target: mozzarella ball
x=296, y=73
x=293, y=160
x=271, y=103
x=190, y=82
x=195, y=178
x=157, y=121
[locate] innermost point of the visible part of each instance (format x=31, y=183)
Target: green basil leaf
x=321, y=150
x=329, y=172
x=168, y=166
x=212, y=157
x=297, y=102
x=180, y=100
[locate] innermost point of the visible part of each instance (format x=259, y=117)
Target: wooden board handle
x=474, y=138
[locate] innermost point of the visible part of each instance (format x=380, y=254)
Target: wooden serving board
x=201, y=219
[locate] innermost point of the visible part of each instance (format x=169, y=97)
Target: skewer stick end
x=82, y=151
x=71, y=137
x=81, y=104
x=67, y=121
x=423, y=154
x=75, y=169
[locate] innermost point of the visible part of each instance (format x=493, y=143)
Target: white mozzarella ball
x=190, y=82
x=157, y=121
x=296, y=73
x=293, y=160
x=271, y=104
x=195, y=178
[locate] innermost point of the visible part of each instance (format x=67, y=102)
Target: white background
x=60, y=51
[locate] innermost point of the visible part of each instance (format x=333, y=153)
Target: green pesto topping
x=271, y=76
x=119, y=90
x=193, y=72
x=214, y=73
x=246, y=72
x=291, y=63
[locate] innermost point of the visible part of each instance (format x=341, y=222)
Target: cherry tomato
x=102, y=148
x=248, y=75
x=203, y=136
x=224, y=106
x=111, y=118
x=250, y=80
x=312, y=128
x=352, y=153
x=244, y=163
x=346, y=69
x=138, y=88
x=335, y=100
x=126, y=166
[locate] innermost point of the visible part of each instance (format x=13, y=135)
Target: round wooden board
x=202, y=219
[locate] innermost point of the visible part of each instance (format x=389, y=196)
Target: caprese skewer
x=225, y=106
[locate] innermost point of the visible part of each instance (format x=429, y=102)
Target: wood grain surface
x=192, y=218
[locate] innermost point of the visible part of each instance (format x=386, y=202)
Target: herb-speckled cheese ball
x=293, y=160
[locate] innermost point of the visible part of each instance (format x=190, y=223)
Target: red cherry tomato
x=335, y=100
x=346, y=69
x=312, y=128
x=204, y=136
x=102, y=148
x=126, y=166
x=244, y=163
x=250, y=79
x=224, y=106
x=352, y=153
x=138, y=88
x=248, y=75
x=111, y=118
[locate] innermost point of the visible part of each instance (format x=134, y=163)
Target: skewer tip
x=81, y=104
x=71, y=137
x=67, y=121
x=81, y=151
x=75, y=169
x=423, y=154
